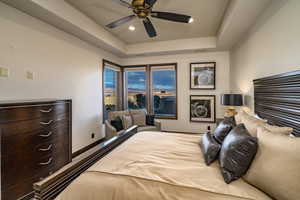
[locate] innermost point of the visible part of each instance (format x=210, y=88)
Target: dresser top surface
x=31, y=102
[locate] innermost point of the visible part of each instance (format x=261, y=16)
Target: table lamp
x=231, y=100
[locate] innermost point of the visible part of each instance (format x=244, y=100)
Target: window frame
x=125, y=89
x=120, y=92
x=149, y=99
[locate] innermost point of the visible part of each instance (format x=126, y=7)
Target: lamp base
x=230, y=112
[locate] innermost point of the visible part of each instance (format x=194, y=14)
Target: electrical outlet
x=208, y=128
x=93, y=135
x=29, y=75
x=4, y=72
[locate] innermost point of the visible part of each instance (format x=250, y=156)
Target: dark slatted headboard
x=277, y=99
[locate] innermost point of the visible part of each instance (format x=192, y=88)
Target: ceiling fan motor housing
x=141, y=9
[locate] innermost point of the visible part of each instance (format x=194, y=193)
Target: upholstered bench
x=144, y=121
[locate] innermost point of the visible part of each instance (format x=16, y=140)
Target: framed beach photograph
x=203, y=108
x=203, y=76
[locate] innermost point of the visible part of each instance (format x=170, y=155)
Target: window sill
x=166, y=117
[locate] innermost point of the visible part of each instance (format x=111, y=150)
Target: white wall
x=183, y=123
x=271, y=47
x=64, y=67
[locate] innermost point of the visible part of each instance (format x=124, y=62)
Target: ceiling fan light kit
x=142, y=9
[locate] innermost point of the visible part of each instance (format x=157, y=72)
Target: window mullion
x=149, y=88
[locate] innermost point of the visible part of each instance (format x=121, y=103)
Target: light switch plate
x=29, y=75
x=4, y=72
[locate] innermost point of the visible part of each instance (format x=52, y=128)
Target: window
x=111, y=88
x=135, y=83
x=152, y=87
x=163, y=94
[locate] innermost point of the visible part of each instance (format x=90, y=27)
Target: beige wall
x=64, y=67
x=271, y=47
x=222, y=85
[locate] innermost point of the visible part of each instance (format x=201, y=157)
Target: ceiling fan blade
x=123, y=3
x=120, y=21
x=149, y=27
x=171, y=16
x=150, y=2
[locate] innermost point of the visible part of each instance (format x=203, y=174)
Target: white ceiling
x=208, y=15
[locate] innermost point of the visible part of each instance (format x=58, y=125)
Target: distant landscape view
x=110, y=90
x=163, y=91
x=164, y=102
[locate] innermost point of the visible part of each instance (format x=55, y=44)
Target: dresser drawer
x=19, y=113
x=20, y=167
x=20, y=187
x=41, y=125
x=27, y=141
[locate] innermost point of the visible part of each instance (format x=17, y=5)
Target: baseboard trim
x=88, y=147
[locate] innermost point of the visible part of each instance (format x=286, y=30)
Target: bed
x=160, y=166
x=164, y=166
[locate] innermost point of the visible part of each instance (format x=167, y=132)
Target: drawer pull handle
x=46, y=163
x=46, y=123
x=48, y=135
x=46, y=111
x=47, y=149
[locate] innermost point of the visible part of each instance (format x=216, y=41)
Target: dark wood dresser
x=35, y=142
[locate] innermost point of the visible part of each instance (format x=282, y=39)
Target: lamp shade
x=232, y=100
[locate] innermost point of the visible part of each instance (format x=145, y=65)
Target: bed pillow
x=127, y=121
x=276, y=167
x=117, y=123
x=209, y=147
x=237, y=152
x=279, y=130
x=238, y=117
x=223, y=129
x=252, y=123
x=256, y=116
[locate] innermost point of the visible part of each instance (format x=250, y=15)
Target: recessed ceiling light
x=191, y=20
x=132, y=28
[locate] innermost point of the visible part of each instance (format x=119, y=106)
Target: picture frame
x=203, y=108
x=203, y=76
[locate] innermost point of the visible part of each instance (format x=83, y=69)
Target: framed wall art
x=203, y=108
x=203, y=76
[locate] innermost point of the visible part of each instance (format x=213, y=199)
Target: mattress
x=157, y=166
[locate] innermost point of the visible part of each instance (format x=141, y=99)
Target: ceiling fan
x=142, y=9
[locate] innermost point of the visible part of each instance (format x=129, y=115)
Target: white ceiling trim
x=171, y=46
x=239, y=17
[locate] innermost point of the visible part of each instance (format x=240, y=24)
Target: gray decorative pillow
x=223, y=129
x=117, y=123
x=210, y=148
x=237, y=153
